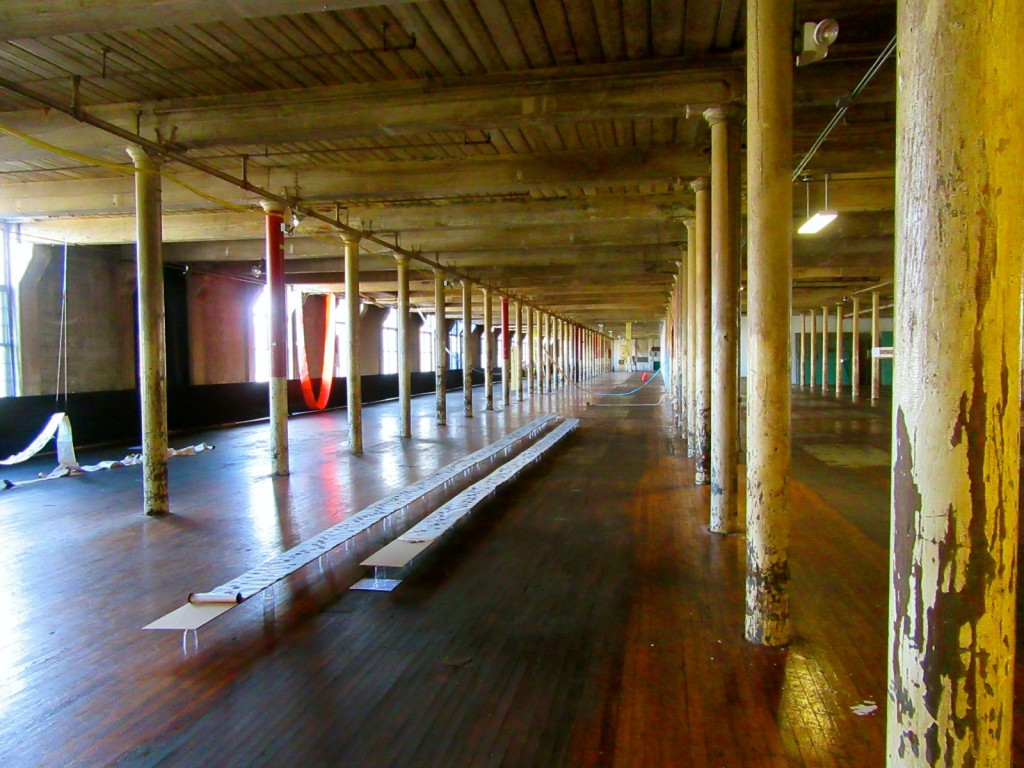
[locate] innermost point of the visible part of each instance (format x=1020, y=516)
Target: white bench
x=414, y=542
x=203, y=607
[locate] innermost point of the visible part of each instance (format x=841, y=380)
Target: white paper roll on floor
x=199, y=598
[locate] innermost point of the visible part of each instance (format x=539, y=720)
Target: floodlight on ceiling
x=820, y=219
x=815, y=41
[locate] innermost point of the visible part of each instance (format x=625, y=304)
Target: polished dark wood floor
x=586, y=618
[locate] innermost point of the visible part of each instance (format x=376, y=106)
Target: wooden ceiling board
x=466, y=16
x=605, y=134
x=427, y=42
x=636, y=21
x=531, y=34
x=501, y=29
x=583, y=27
x=330, y=51
x=730, y=33
x=556, y=29
x=701, y=26
x=364, y=31
x=610, y=29
x=446, y=27
x=667, y=17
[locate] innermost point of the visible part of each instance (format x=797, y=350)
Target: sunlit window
x=389, y=343
x=455, y=346
x=427, y=342
x=261, y=332
x=341, y=337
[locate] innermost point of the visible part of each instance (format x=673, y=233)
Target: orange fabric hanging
x=327, y=374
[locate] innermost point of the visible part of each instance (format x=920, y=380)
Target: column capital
x=719, y=113
x=438, y=272
x=689, y=222
x=700, y=184
x=401, y=258
x=270, y=206
x=351, y=238
x=716, y=114
x=140, y=156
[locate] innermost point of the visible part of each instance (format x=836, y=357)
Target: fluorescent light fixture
x=817, y=222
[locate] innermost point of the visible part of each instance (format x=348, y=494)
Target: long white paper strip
x=414, y=541
x=59, y=425
x=275, y=569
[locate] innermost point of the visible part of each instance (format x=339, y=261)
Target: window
x=389, y=343
x=455, y=346
x=261, y=332
x=341, y=337
x=427, y=342
x=14, y=260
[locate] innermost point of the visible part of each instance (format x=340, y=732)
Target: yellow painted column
x=769, y=309
x=440, y=354
x=855, y=352
x=539, y=350
x=506, y=355
x=529, y=364
x=814, y=348
x=488, y=351
x=839, y=349
x=824, y=349
x=956, y=386
x=691, y=336
x=404, y=366
x=518, y=367
x=702, y=400
x=152, y=343
x=803, y=349
x=354, y=388
x=467, y=337
x=876, y=337
x=725, y=267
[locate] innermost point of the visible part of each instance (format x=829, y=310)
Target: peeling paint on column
x=691, y=336
x=152, y=344
x=769, y=309
x=440, y=367
x=956, y=388
x=702, y=332
x=354, y=383
x=724, y=517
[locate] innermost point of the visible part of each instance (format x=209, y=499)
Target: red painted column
x=278, y=338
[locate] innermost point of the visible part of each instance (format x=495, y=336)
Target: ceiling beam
x=522, y=99
x=495, y=174
x=47, y=18
x=621, y=90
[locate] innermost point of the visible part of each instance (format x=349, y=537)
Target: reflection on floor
x=586, y=618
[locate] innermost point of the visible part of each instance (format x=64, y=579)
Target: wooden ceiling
x=540, y=146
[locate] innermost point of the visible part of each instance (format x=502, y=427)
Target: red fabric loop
x=327, y=374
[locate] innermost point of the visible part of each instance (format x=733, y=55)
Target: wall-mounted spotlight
x=815, y=41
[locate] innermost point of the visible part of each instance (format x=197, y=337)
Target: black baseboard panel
x=99, y=418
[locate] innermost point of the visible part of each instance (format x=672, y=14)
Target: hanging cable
x=845, y=106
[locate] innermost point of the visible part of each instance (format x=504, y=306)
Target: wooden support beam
x=494, y=174
x=46, y=18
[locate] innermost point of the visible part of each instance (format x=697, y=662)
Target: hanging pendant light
x=819, y=220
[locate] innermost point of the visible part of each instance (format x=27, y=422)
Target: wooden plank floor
x=585, y=619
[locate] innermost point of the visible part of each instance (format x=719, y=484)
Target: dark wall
x=113, y=416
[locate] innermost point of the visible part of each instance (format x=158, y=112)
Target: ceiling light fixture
x=816, y=40
x=819, y=220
